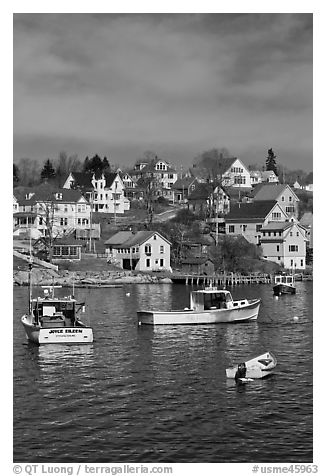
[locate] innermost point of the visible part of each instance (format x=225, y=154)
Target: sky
x=176, y=84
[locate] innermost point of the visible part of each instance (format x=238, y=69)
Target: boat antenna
x=30, y=266
x=73, y=285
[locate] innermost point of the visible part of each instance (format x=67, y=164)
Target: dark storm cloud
x=185, y=82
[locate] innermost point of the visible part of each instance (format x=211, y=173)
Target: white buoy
x=295, y=318
x=127, y=294
x=276, y=297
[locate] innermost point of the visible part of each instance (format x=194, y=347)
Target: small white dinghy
x=258, y=367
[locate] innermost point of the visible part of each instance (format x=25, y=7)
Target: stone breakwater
x=46, y=277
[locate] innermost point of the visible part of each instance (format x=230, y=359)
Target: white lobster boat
x=207, y=306
x=258, y=367
x=55, y=320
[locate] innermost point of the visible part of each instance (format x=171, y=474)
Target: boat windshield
x=50, y=308
x=216, y=300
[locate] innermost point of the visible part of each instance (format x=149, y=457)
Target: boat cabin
x=284, y=279
x=210, y=299
x=54, y=312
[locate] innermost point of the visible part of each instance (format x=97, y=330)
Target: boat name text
x=66, y=331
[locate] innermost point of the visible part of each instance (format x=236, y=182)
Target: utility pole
x=90, y=226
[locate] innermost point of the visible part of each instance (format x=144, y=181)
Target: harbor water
x=159, y=394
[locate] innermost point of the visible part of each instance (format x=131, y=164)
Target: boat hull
x=283, y=289
x=216, y=316
x=56, y=335
x=257, y=368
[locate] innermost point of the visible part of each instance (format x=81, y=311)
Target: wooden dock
x=227, y=279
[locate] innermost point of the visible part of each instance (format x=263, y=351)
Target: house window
x=290, y=199
x=258, y=228
x=154, y=237
x=293, y=248
x=277, y=247
x=66, y=208
x=148, y=249
x=276, y=216
x=78, y=221
x=302, y=263
x=291, y=234
x=40, y=221
x=162, y=249
x=289, y=209
x=148, y=263
x=65, y=250
x=282, y=199
x=297, y=233
x=161, y=262
x=231, y=228
x=73, y=251
x=56, y=251
x=279, y=258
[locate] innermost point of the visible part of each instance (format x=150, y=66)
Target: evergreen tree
x=86, y=165
x=96, y=164
x=271, y=161
x=15, y=174
x=48, y=171
x=106, y=167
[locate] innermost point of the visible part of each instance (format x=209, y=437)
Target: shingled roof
x=269, y=191
x=256, y=210
x=127, y=239
x=201, y=192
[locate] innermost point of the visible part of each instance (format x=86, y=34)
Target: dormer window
x=58, y=196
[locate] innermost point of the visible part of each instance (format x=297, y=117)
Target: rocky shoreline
x=46, y=277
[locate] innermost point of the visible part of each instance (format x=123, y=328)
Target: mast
x=30, y=266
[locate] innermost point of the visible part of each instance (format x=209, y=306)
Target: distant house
x=247, y=219
x=285, y=244
x=229, y=171
x=198, y=265
x=131, y=190
x=66, y=249
x=159, y=172
x=62, y=210
x=263, y=176
x=104, y=191
x=182, y=188
x=307, y=222
x=282, y=193
x=141, y=251
x=205, y=198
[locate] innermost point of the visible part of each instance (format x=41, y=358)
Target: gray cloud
x=179, y=82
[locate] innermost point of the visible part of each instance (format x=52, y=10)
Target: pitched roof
x=183, y=182
x=220, y=167
x=201, y=192
x=277, y=226
x=68, y=195
x=118, y=238
x=269, y=191
x=127, y=239
x=47, y=192
x=256, y=210
x=84, y=179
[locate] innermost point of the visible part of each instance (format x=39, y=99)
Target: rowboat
x=258, y=367
x=55, y=320
x=207, y=306
x=284, y=284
